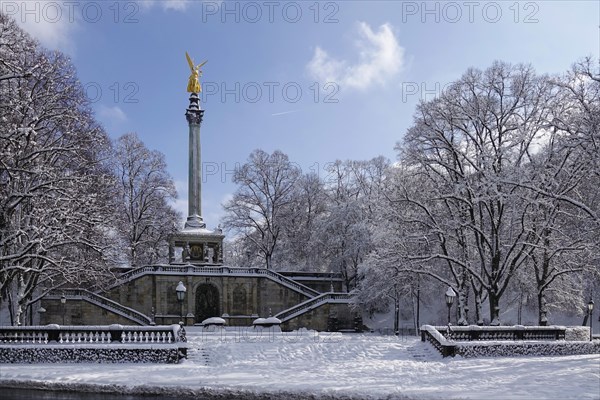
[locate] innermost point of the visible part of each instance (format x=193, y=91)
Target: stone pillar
x=194, y=116
x=185, y=253
x=219, y=253
x=171, y=252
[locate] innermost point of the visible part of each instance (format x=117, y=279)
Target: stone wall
x=97, y=354
x=321, y=282
x=328, y=317
x=274, y=298
x=137, y=294
x=78, y=312
x=242, y=299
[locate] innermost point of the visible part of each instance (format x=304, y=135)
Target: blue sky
x=319, y=81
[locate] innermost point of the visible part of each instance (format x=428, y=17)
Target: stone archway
x=207, y=302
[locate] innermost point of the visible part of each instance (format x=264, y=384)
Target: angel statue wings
x=193, y=83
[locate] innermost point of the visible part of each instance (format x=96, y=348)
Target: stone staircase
x=197, y=352
x=100, y=301
x=423, y=351
x=311, y=304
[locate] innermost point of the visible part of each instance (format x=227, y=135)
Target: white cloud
x=181, y=204
x=212, y=212
x=50, y=26
x=177, y=5
x=215, y=211
x=380, y=58
x=284, y=113
x=111, y=114
x=226, y=198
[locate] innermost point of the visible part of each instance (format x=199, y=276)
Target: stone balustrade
x=53, y=334
x=495, y=341
x=108, y=343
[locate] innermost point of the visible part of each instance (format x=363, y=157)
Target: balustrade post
x=520, y=335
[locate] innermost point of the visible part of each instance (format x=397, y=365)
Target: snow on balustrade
x=42, y=335
x=478, y=333
x=146, y=337
x=24, y=336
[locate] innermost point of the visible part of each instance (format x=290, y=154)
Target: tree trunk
x=463, y=308
x=416, y=298
x=396, y=312
x=10, y=307
x=542, y=309
x=478, y=303
x=494, y=302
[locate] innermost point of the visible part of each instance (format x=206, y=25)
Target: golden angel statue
x=193, y=83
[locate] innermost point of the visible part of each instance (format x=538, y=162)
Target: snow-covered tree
x=471, y=144
x=301, y=246
x=493, y=183
x=55, y=212
x=145, y=191
x=353, y=189
x=263, y=201
x=565, y=177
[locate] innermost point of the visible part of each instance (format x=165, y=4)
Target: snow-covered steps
x=244, y=346
x=423, y=352
x=197, y=352
x=311, y=304
x=198, y=355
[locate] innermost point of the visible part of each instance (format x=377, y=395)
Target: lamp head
x=180, y=289
x=450, y=295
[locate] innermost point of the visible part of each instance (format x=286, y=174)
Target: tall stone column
x=194, y=116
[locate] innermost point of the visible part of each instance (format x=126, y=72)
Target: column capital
x=194, y=113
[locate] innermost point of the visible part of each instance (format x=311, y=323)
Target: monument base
x=198, y=245
x=194, y=222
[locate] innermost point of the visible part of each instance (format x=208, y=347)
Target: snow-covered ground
x=357, y=365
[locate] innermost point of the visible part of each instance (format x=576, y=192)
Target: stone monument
x=198, y=245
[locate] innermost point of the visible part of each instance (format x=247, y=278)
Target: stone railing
x=432, y=335
x=101, y=301
x=80, y=344
x=311, y=304
x=215, y=270
x=491, y=341
x=518, y=332
x=104, y=334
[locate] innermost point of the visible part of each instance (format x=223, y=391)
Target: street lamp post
x=590, y=307
x=180, y=296
x=63, y=302
x=450, y=295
